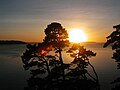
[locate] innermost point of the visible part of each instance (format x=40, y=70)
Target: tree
x=57, y=36
x=114, y=40
x=81, y=61
x=49, y=72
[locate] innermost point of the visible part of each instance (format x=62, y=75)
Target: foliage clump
x=114, y=40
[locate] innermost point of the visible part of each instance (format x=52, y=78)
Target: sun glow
x=77, y=36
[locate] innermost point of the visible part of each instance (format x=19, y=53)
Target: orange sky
x=36, y=34
x=26, y=19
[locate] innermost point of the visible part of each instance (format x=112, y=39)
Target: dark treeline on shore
x=2, y=42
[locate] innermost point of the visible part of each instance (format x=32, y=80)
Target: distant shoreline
x=6, y=42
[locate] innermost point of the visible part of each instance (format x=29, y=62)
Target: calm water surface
x=13, y=76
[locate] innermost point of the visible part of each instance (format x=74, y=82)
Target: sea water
x=13, y=76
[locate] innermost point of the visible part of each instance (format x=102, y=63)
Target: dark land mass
x=3, y=42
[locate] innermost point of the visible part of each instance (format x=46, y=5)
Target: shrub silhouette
x=49, y=72
x=114, y=40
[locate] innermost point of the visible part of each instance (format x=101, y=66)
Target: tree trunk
x=95, y=74
x=62, y=64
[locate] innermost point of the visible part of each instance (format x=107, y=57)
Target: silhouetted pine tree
x=81, y=61
x=49, y=72
x=114, y=40
x=57, y=36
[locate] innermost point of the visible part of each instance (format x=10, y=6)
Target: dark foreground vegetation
x=114, y=40
x=49, y=72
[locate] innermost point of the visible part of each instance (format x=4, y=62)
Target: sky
x=26, y=19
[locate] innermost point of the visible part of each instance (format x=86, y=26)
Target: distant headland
x=3, y=42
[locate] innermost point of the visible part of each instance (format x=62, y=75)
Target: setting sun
x=77, y=36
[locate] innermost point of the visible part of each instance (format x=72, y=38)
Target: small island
x=5, y=42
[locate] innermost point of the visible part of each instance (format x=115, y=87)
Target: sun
x=77, y=36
